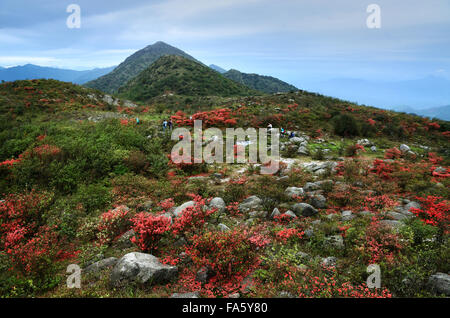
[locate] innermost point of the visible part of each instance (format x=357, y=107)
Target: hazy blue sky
x=296, y=40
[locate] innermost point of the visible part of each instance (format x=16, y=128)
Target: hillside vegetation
x=83, y=183
x=177, y=75
x=266, y=84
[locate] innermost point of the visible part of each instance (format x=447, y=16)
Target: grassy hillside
x=180, y=76
x=81, y=183
x=134, y=65
x=266, y=84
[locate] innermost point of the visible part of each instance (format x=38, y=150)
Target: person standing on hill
x=170, y=124
x=164, y=125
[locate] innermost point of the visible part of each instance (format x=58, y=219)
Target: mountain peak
x=135, y=64
x=158, y=44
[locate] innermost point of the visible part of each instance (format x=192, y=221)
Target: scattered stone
x=205, y=274
x=397, y=216
x=141, y=268
x=179, y=210
x=319, y=201
x=235, y=295
x=404, y=148
x=275, y=213
x=285, y=294
x=302, y=150
x=412, y=204
x=304, y=209
x=219, y=204
x=373, y=149
x=332, y=216
x=186, y=295
x=335, y=241
x=347, y=215
x=223, y=228
x=366, y=213
x=309, y=232
x=296, y=140
x=251, y=203
x=440, y=283
x=147, y=205
x=110, y=100
x=392, y=224
x=311, y=186
x=303, y=256
x=258, y=214
x=364, y=142
x=290, y=214
x=329, y=261
x=125, y=240
x=128, y=103
x=294, y=191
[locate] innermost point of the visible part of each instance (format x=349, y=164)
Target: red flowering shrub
x=112, y=224
x=308, y=283
x=9, y=163
x=192, y=218
x=382, y=169
x=380, y=244
x=31, y=246
x=228, y=254
x=379, y=202
x=392, y=153
x=322, y=286
x=434, y=158
x=149, y=229
x=223, y=117
x=233, y=208
x=167, y=204
x=371, y=122
x=285, y=235
x=434, y=211
x=45, y=150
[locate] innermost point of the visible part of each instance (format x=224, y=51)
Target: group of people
x=282, y=131
x=167, y=124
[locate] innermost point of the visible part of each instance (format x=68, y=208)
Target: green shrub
x=345, y=125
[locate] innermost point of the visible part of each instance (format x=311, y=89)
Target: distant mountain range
x=432, y=91
x=181, y=76
x=30, y=71
x=442, y=112
x=133, y=65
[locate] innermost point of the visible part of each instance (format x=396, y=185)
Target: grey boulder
x=304, y=209
x=219, y=204
x=141, y=268
x=440, y=283
x=179, y=210
x=251, y=203
x=294, y=191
